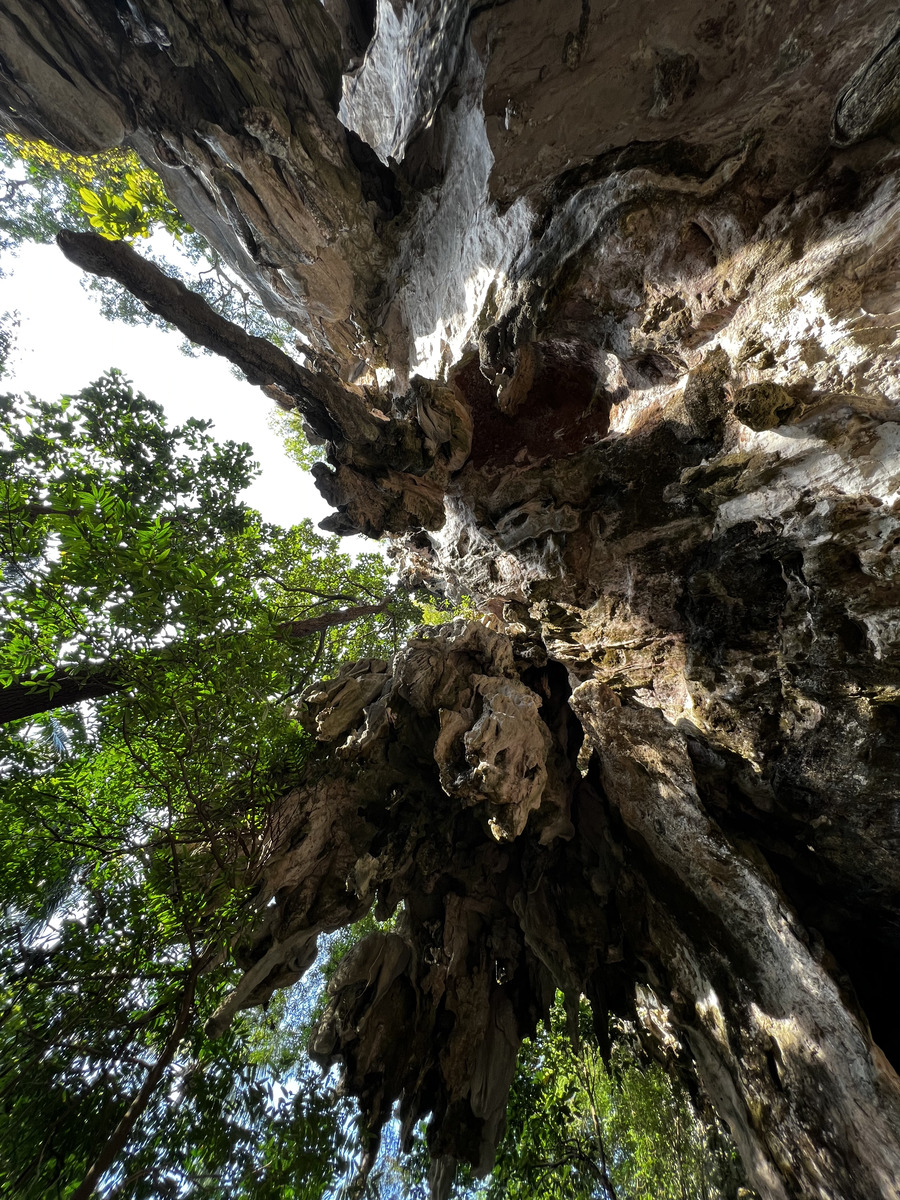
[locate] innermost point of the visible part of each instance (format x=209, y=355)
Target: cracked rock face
x=612, y=293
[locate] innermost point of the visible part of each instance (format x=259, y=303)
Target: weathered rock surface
x=613, y=293
x=429, y=776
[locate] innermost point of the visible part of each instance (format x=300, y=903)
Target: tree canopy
x=134, y=577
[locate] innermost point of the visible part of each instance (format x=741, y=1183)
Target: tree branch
x=119, y=1137
x=64, y=688
x=59, y=690
x=295, y=629
x=322, y=402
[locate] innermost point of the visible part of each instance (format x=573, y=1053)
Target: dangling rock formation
x=602, y=302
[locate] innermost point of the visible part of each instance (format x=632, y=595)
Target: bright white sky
x=64, y=343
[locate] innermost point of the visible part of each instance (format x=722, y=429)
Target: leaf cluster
x=622, y=1129
x=111, y=192
x=130, y=828
x=113, y=528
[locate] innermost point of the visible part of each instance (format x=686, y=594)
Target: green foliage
x=626, y=1130
x=112, y=193
x=290, y=427
x=435, y=610
x=112, y=527
x=130, y=829
x=84, y=1017
x=122, y=540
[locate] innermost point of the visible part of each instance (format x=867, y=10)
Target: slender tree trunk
x=62, y=689
x=344, y=616
x=597, y=1125
x=119, y=1137
x=261, y=361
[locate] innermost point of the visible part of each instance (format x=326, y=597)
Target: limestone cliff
x=603, y=301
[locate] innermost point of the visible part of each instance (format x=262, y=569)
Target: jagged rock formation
x=607, y=301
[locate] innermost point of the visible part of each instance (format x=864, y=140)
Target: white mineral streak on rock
x=408, y=65
x=807, y=463
x=462, y=542
x=459, y=246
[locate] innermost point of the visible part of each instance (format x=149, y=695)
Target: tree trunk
x=261, y=361
x=330, y=620
x=617, y=330
x=60, y=690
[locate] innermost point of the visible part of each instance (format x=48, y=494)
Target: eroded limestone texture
x=608, y=300
x=429, y=776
